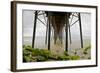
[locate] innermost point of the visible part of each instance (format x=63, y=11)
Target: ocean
x=40, y=43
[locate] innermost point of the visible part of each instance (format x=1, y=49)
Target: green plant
x=27, y=59
x=41, y=58
x=88, y=47
x=53, y=56
x=38, y=55
x=75, y=57
x=63, y=57
x=28, y=48
x=66, y=53
x=85, y=52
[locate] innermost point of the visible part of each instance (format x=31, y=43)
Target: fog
x=28, y=22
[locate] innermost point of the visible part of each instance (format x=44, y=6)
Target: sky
x=28, y=20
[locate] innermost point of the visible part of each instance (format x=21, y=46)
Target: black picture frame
x=14, y=35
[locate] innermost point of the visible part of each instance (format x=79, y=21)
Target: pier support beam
x=34, y=28
x=66, y=32
x=49, y=31
x=46, y=32
x=80, y=26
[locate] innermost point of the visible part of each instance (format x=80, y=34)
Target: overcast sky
x=28, y=20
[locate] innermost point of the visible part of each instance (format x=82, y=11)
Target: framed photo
x=48, y=36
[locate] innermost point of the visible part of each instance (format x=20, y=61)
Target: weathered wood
x=70, y=34
x=66, y=31
x=46, y=32
x=69, y=28
x=80, y=25
x=58, y=20
x=41, y=21
x=34, y=28
x=49, y=32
